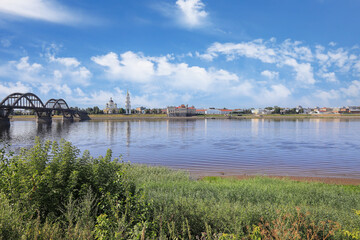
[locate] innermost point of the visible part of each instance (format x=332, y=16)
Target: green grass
x=229, y=205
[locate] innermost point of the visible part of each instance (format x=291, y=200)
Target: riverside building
x=181, y=111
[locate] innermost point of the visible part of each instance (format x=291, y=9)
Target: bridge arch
x=24, y=101
x=57, y=104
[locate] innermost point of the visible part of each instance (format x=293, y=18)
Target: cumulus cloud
x=135, y=67
x=275, y=94
x=326, y=96
x=21, y=70
x=192, y=13
x=59, y=75
x=45, y=10
x=68, y=62
x=304, y=71
x=329, y=76
x=70, y=68
x=255, y=49
x=353, y=90
x=8, y=88
x=303, y=59
x=270, y=74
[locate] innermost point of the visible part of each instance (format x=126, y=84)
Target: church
x=111, y=106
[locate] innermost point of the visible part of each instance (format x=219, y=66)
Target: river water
x=310, y=147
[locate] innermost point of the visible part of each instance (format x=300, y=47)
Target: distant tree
x=276, y=110
x=291, y=111
x=96, y=110
x=89, y=110
x=269, y=108
x=121, y=110
x=247, y=111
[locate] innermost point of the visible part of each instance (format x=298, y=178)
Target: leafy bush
x=51, y=186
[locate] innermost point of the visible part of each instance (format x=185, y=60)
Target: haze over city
x=236, y=54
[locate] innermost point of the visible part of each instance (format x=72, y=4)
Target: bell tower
x=127, y=104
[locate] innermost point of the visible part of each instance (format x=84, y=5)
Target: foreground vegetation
x=50, y=191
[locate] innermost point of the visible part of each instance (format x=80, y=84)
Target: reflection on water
x=306, y=147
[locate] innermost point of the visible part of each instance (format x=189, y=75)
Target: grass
x=231, y=205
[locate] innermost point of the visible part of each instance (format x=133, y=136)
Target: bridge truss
x=30, y=101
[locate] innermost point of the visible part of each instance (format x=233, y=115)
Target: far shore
x=100, y=117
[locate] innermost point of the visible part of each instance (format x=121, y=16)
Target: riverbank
x=326, y=180
x=102, y=117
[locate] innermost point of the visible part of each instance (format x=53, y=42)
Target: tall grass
x=231, y=206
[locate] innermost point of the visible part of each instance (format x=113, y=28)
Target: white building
x=111, y=107
x=127, y=104
x=213, y=111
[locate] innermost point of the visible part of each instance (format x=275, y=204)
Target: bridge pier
x=44, y=119
x=4, y=122
x=83, y=116
x=67, y=119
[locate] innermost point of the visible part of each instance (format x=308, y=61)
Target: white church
x=111, y=106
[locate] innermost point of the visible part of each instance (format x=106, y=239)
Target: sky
x=206, y=53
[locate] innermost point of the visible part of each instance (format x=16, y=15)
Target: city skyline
x=206, y=53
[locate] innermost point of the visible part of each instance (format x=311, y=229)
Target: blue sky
x=228, y=53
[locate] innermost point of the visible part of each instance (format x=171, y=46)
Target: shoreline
x=102, y=117
x=325, y=180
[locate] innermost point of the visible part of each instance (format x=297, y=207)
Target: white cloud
x=46, y=10
x=353, y=90
x=270, y=74
x=327, y=96
x=243, y=89
x=294, y=50
x=59, y=88
x=275, y=94
x=141, y=69
x=22, y=70
x=134, y=67
x=68, y=62
x=24, y=65
x=304, y=71
x=255, y=49
x=329, y=76
x=70, y=68
x=79, y=92
x=8, y=88
x=192, y=13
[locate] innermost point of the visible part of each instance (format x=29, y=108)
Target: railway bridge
x=43, y=112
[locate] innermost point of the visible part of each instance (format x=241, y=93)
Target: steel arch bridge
x=30, y=101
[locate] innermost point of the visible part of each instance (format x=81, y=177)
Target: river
x=309, y=147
